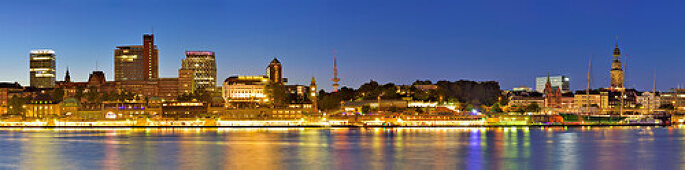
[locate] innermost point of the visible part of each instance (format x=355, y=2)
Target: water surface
x=344, y=148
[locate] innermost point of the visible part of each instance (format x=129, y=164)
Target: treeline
x=462, y=91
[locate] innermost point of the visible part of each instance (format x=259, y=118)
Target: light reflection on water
x=344, y=148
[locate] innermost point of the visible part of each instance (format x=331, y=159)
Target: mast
x=587, y=91
x=335, y=78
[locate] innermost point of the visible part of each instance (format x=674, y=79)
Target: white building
x=244, y=90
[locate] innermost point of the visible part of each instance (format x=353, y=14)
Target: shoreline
x=355, y=127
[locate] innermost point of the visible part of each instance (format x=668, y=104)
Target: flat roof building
x=136, y=62
x=42, y=68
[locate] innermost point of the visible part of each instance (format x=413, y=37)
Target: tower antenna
x=335, y=78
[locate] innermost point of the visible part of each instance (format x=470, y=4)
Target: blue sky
x=388, y=41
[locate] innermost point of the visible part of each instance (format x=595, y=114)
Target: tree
x=58, y=93
x=16, y=104
x=366, y=109
x=667, y=106
x=277, y=94
x=533, y=107
x=495, y=108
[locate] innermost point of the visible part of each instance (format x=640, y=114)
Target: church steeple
x=616, y=69
x=617, y=52
x=67, y=77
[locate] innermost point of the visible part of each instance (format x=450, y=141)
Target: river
x=344, y=148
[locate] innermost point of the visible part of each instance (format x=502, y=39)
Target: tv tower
x=335, y=78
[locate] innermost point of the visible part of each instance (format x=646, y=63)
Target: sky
x=509, y=41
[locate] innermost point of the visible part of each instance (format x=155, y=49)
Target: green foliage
x=278, y=95
x=58, y=94
x=15, y=104
x=667, y=106
x=425, y=82
x=534, y=107
x=496, y=108
x=366, y=109
x=199, y=95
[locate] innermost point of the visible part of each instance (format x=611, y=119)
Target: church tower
x=67, y=77
x=312, y=95
x=616, y=70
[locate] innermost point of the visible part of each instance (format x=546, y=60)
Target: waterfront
x=344, y=148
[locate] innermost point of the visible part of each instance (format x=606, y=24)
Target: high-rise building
x=616, y=71
x=201, y=66
x=562, y=82
x=42, y=68
x=137, y=62
x=274, y=71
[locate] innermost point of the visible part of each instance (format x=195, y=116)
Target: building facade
x=562, y=82
x=201, y=66
x=649, y=100
x=42, y=68
x=245, y=91
x=136, y=62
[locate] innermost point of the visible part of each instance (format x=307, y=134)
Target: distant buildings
x=562, y=82
x=198, y=71
x=594, y=99
x=42, y=68
x=136, y=62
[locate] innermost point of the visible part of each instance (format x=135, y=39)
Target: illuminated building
x=42, y=68
x=7, y=90
x=141, y=88
x=168, y=88
x=562, y=82
x=522, y=89
x=239, y=91
x=675, y=97
x=522, y=101
x=184, y=110
x=42, y=106
x=136, y=62
x=594, y=99
x=275, y=71
x=185, y=81
x=616, y=70
x=201, y=66
x=649, y=100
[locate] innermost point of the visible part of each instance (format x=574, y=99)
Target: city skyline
x=491, y=54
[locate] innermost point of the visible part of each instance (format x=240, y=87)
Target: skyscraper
x=274, y=71
x=616, y=70
x=201, y=67
x=137, y=62
x=42, y=68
